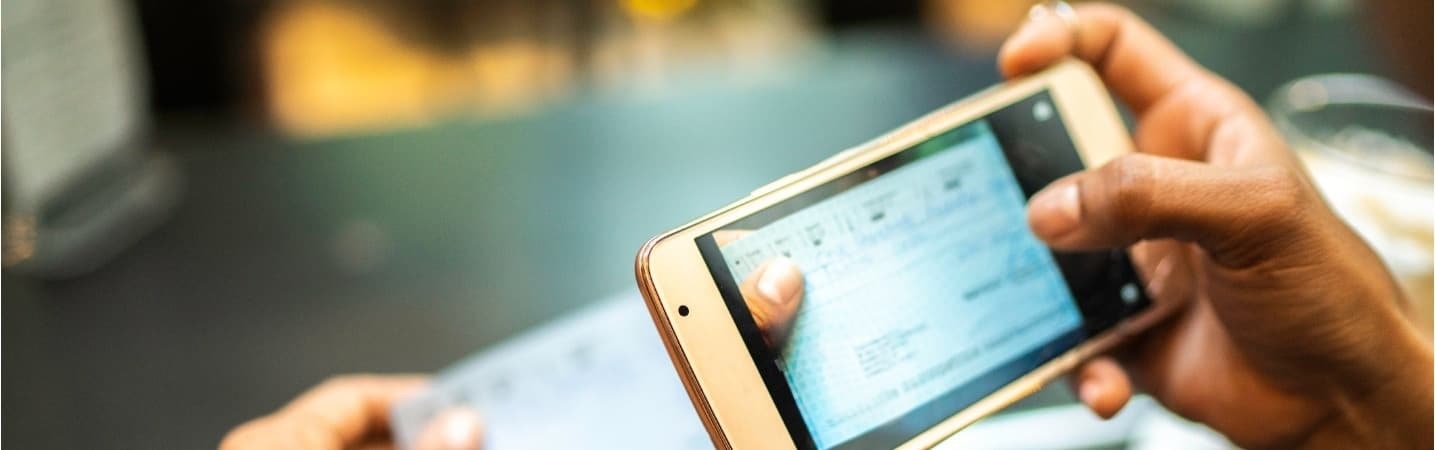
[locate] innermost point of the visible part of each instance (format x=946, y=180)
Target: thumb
x=454, y=428
x=773, y=293
x=1102, y=385
x=1238, y=215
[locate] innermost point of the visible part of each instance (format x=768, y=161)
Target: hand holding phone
x=923, y=301
x=1294, y=334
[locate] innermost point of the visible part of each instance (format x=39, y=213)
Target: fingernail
x=780, y=282
x=1089, y=392
x=1057, y=210
x=462, y=430
x=1038, y=12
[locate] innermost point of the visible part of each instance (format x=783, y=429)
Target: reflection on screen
x=918, y=281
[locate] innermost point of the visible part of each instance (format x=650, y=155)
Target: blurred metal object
x=1367, y=143
x=77, y=187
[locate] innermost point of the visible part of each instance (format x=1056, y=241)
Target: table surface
x=287, y=262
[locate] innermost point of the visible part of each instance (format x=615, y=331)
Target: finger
x=1102, y=385
x=455, y=428
x=1134, y=60
x=261, y=433
x=1164, y=267
x=773, y=293
x=346, y=410
x=724, y=237
x=1237, y=215
x=1185, y=110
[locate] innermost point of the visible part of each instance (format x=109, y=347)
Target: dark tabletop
x=287, y=262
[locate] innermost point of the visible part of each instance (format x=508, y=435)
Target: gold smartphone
x=926, y=301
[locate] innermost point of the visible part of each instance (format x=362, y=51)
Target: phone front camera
x=1042, y=111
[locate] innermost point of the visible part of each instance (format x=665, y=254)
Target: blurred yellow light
x=657, y=9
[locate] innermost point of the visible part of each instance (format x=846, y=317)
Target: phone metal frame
x=709, y=354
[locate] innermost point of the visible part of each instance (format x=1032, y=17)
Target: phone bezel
x=724, y=383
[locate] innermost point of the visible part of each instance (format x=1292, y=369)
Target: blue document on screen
x=917, y=282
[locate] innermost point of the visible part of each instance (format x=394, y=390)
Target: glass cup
x=1367, y=144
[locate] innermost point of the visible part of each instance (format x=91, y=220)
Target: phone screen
x=925, y=289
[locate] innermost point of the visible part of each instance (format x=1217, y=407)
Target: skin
x=773, y=292
x=1291, y=333
x=352, y=412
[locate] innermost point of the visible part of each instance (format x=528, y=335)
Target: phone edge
x=684, y=370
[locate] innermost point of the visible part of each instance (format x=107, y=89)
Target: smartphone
x=927, y=302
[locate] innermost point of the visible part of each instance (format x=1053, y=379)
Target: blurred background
x=210, y=206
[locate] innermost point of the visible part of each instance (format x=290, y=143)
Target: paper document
x=597, y=379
